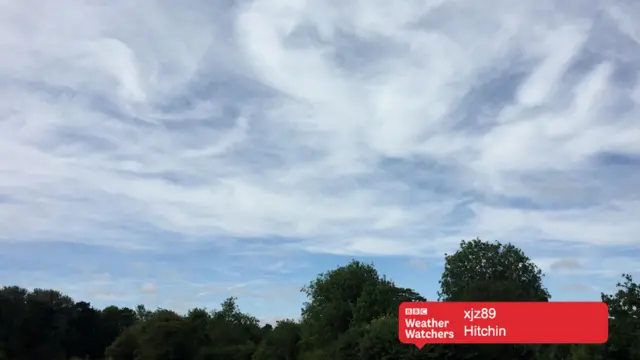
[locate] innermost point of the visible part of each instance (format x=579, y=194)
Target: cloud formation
x=362, y=128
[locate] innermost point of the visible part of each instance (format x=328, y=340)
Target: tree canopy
x=350, y=314
x=485, y=271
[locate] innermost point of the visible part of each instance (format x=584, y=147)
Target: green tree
x=125, y=346
x=343, y=300
x=114, y=321
x=281, y=343
x=198, y=321
x=585, y=352
x=351, y=314
x=142, y=313
x=164, y=335
x=624, y=323
x=380, y=342
x=233, y=335
x=491, y=271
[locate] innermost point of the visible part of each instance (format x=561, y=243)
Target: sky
x=174, y=153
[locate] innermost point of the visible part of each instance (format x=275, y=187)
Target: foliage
x=348, y=297
x=484, y=271
x=624, y=325
x=351, y=314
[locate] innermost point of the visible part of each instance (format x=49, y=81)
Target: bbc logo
x=415, y=311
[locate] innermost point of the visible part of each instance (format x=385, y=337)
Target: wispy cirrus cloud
x=301, y=128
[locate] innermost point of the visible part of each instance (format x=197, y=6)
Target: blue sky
x=174, y=153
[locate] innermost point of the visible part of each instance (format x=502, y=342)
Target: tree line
x=350, y=314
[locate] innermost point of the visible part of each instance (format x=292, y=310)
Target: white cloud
x=363, y=128
x=149, y=288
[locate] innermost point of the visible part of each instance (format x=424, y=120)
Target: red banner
x=422, y=323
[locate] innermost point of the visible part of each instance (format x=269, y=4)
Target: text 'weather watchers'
x=422, y=323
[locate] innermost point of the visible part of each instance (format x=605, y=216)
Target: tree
x=198, y=321
x=13, y=315
x=341, y=302
x=115, y=321
x=47, y=323
x=380, y=341
x=164, y=335
x=233, y=335
x=84, y=338
x=281, y=343
x=142, y=314
x=346, y=297
x=125, y=346
x=624, y=323
x=484, y=271
x=351, y=314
